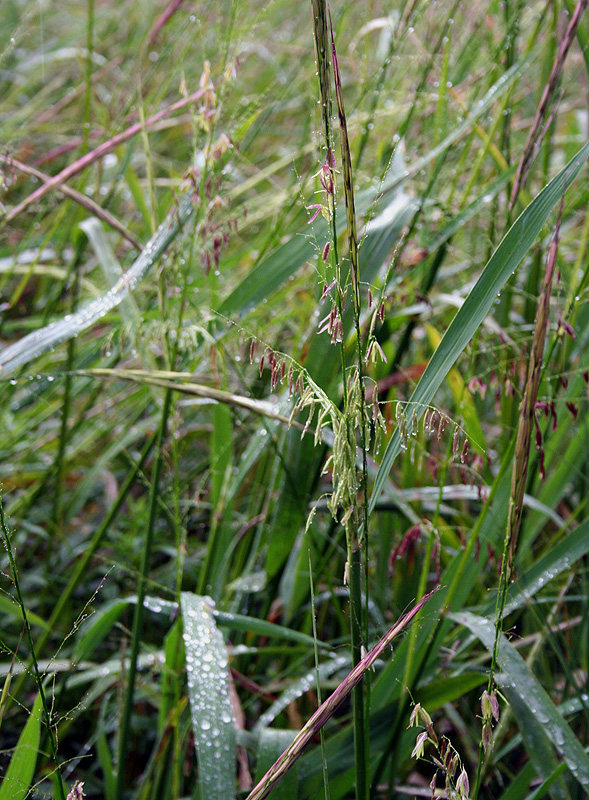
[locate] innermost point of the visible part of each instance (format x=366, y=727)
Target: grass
x=294, y=360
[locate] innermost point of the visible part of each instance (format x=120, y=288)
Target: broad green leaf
x=174, y=653
x=518, y=677
x=221, y=451
x=219, y=545
x=111, y=267
x=506, y=258
x=213, y=725
x=40, y=341
x=17, y=781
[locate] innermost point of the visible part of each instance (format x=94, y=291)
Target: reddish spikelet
x=572, y=408
x=327, y=289
x=316, y=208
x=290, y=373
x=455, y=441
x=325, y=252
x=538, y=434
x=261, y=364
x=476, y=386
x=542, y=468
x=381, y=312
x=441, y=426
x=405, y=547
x=252, y=351
x=554, y=417
x=369, y=299
x=282, y=370
x=464, y=451
x=567, y=328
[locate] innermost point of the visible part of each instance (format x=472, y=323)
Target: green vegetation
x=294, y=369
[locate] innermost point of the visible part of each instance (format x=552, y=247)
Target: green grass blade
x=536, y=742
x=208, y=691
x=40, y=341
x=506, y=258
x=240, y=622
x=17, y=781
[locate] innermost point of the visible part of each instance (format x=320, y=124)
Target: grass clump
x=294, y=360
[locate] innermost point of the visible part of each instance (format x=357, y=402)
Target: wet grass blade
x=516, y=675
x=35, y=344
x=208, y=691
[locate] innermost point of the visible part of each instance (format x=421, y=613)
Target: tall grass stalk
x=354, y=398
